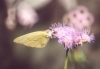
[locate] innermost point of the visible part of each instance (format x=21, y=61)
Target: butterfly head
x=50, y=33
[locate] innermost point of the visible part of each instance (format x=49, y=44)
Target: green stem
x=66, y=60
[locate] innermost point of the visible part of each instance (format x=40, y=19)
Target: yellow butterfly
x=37, y=39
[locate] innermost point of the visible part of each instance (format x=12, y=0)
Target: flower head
x=80, y=17
x=26, y=15
x=70, y=36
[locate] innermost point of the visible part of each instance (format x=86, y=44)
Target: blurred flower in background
x=26, y=15
x=11, y=19
x=81, y=18
x=23, y=11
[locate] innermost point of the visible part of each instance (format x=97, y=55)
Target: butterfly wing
x=35, y=39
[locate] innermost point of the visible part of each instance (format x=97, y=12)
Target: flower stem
x=66, y=60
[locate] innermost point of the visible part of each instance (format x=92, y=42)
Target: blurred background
x=19, y=17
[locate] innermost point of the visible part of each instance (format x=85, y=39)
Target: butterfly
x=37, y=39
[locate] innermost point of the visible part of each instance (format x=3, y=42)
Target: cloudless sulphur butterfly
x=37, y=39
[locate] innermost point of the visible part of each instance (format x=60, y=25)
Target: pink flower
x=80, y=17
x=26, y=15
x=86, y=37
x=69, y=36
x=78, y=40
